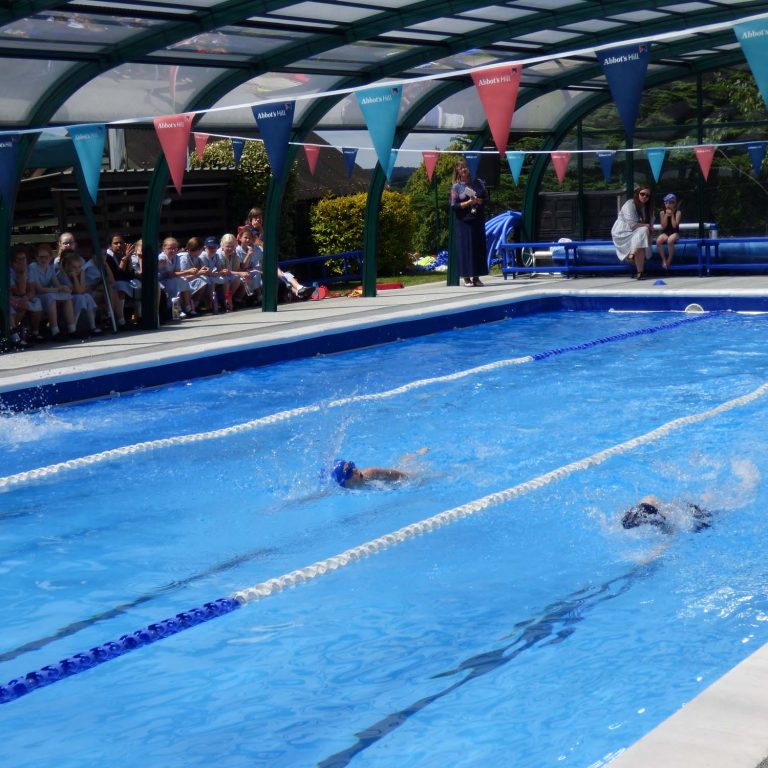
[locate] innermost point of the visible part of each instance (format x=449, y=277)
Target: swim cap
x=342, y=471
x=670, y=198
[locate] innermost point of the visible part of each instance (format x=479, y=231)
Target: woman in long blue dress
x=468, y=198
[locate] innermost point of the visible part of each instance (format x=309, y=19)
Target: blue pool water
x=536, y=632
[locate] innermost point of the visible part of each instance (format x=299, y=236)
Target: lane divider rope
x=44, y=473
x=80, y=662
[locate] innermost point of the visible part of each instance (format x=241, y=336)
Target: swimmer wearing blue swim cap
x=347, y=475
x=342, y=471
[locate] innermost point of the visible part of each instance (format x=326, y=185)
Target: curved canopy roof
x=88, y=61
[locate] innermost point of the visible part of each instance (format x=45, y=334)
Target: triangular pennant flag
x=238, y=147
x=757, y=155
x=752, y=37
x=430, y=161
x=656, y=157
x=312, y=151
x=201, y=141
x=9, y=150
x=606, y=163
x=275, y=123
x=380, y=108
x=173, y=132
x=516, y=160
x=89, y=145
x=472, y=159
x=624, y=69
x=704, y=155
x=350, y=155
x=391, y=164
x=560, y=163
x=497, y=90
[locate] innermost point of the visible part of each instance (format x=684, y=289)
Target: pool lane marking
x=80, y=662
x=43, y=473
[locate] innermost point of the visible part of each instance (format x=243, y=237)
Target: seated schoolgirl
x=54, y=296
x=197, y=274
x=173, y=284
x=27, y=307
x=72, y=275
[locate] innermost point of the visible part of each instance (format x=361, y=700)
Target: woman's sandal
x=640, y=276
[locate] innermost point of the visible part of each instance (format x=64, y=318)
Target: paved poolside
x=208, y=334
x=724, y=727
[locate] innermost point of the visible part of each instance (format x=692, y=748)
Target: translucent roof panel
x=150, y=57
x=546, y=111
x=24, y=83
x=135, y=91
x=234, y=43
x=351, y=58
x=459, y=62
x=460, y=112
x=336, y=12
x=72, y=33
x=450, y=26
x=271, y=87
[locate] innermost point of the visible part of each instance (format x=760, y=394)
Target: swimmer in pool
x=666, y=517
x=347, y=474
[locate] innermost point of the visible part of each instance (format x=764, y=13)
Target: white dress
x=626, y=239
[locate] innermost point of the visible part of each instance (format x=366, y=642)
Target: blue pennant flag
x=392, y=161
x=656, y=157
x=9, y=150
x=753, y=39
x=624, y=69
x=472, y=160
x=275, y=122
x=89, y=145
x=380, y=108
x=515, y=160
x=238, y=147
x=757, y=155
x=606, y=163
x=350, y=155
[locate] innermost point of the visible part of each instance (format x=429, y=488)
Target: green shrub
x=337, y=225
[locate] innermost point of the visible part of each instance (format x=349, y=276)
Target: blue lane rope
x=73, y=665
x=618, y=337
x=80, y=662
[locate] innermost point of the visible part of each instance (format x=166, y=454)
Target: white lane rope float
x=186, y=619
x=46, y=472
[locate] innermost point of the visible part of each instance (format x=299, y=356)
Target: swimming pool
x=535, y=631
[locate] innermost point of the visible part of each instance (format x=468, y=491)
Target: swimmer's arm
x=413, y=455
x=383, y=473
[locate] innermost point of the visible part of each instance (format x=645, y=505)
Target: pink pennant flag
x=497, y=89
x=704, y=155
x=173, y=132
x=201, y=140
x=430, y=161
x=312, y=151
x=560, y=162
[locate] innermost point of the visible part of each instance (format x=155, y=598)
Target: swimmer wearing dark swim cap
x=647, y=512
x=347, y=475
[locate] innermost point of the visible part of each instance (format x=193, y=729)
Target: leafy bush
x=337, y=225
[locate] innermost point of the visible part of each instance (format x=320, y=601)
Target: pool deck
x=726, y=726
